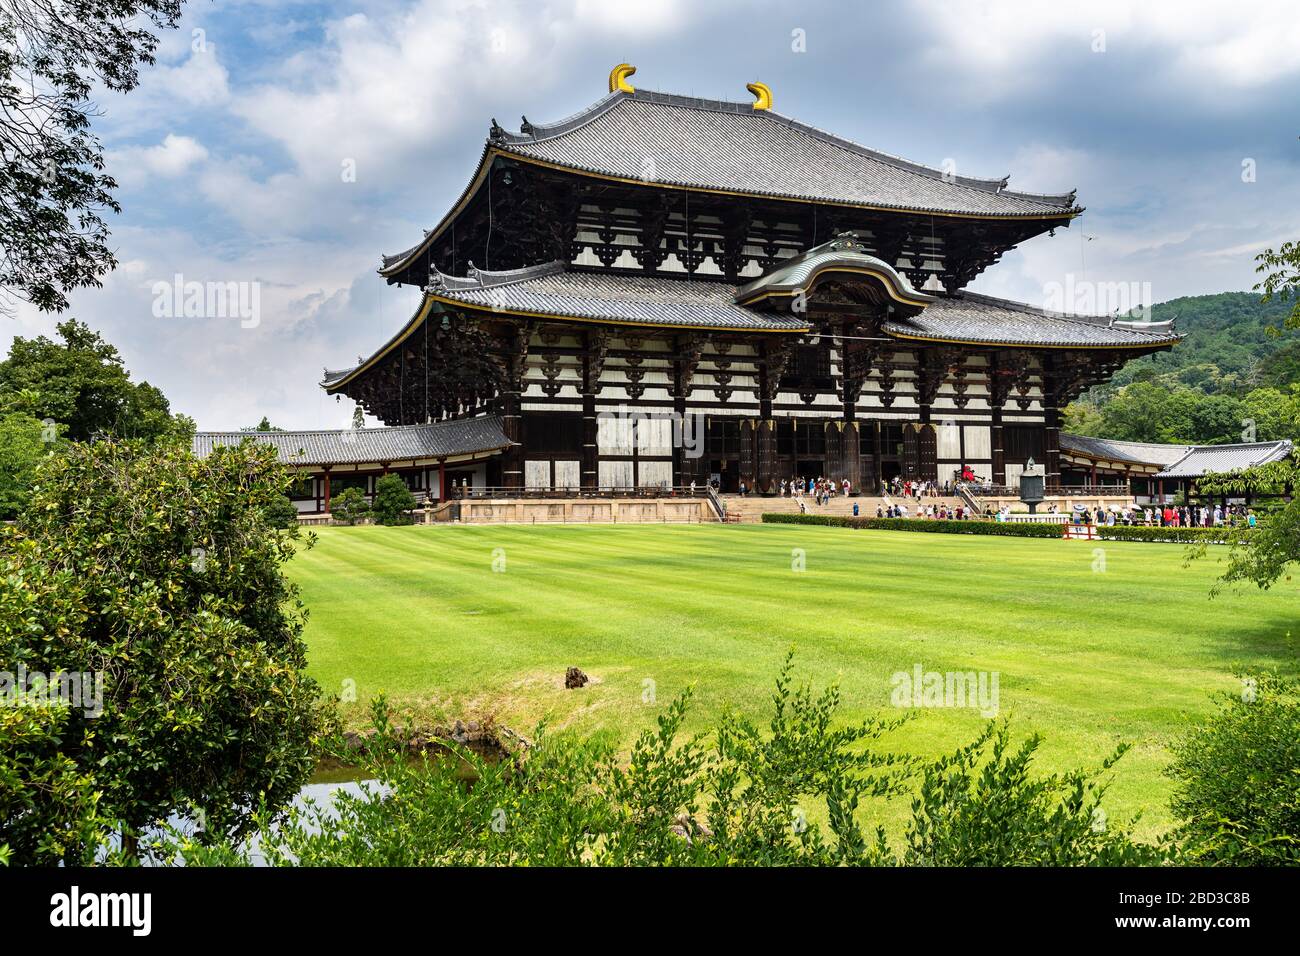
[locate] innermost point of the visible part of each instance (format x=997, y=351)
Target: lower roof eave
x=350, y=466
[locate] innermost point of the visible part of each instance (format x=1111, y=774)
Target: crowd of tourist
x=819, y=491
x=1170, y=516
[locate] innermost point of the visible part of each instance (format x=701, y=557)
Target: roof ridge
x=488, y=279
x=538, y=132
x=1125, y=441
x=1245, y=444
x=339, y=431
x=1028, y=308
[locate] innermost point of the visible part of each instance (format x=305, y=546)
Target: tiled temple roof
x=461, y=437
x=714, y=144
x=1105, y=449
x=676, y=141
x=551, y=290
x=1211, y=459
x=980, y=319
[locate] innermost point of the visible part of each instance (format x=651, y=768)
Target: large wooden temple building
x=662, y=289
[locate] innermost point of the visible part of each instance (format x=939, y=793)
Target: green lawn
x=1087, y=657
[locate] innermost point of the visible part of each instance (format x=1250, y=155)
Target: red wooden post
x=327, y=491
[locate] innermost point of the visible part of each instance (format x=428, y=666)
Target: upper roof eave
x=1055, y=207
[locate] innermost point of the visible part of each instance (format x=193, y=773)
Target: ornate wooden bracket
x=594, y=361
x=690, y=349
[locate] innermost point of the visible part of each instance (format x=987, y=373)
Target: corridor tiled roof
x=1105, y=449
x=466, y=436
x=1217, y=459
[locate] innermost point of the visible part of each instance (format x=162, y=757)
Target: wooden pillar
x=765, y=451
x=834, y=445
x=512, y=459
x=749, y=453
x=876, y=448
x=851, y=455
x=1052, y=447
x=590, y=442
x=999, y=476
x=327, y=490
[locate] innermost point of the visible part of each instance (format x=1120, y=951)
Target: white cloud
x=172, y=157
x=1201, y=44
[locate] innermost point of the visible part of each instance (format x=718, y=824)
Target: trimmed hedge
x=933, y=525
x=1215, y=535
x=1008, y=529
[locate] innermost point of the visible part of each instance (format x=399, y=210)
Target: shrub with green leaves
x=350, y=506
x=393, y=501
x=281, y=512
x=803, y=790
x=983, y=806
x=1238, y=774
x=1007, y=529
x=22, y=447
x=49, y=808
x=160, y=572
x=1220, y=534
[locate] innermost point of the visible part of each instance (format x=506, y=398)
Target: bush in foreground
x=49, y=808
x=157, y=576
x=1238, y=778
x=794, y=793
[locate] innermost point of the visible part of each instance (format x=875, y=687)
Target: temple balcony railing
x=1092, y=491
x=489, y=492
x=1061, y=491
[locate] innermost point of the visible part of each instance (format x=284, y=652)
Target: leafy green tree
x=350, y=506
x=1282, y=368
x=24, y=442
x=1084, y=418
x=1146, y=412
x=53, y=190
x=263, y=426
x=1238, y=788
x=1263, y=554
x=158, y=572
x=81, y=382
x=1216, y=420
x=1281, y=271
x=1274, y=413
x=393, y=501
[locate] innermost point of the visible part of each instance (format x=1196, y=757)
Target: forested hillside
x=1233, y=378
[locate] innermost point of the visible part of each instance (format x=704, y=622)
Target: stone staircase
x=752, y=507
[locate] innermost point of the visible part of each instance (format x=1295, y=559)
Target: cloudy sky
x=234, y=155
